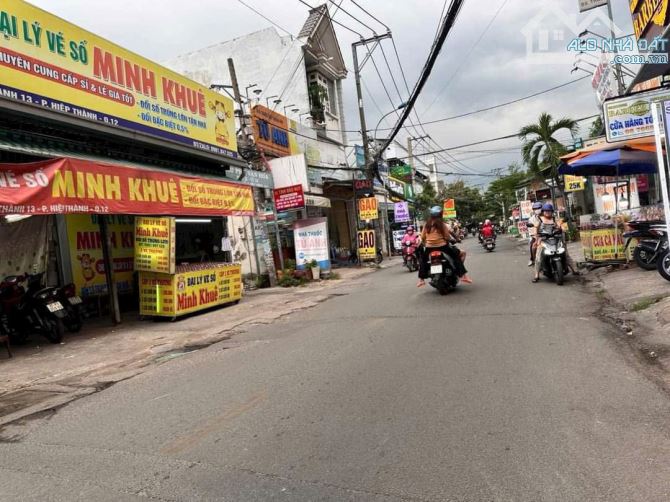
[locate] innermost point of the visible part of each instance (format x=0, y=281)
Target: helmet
x=548, y=207
x=487, y=222
x=537, y=205
x=436, y=211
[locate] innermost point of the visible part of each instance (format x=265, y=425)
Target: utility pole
x=359, y=94
x=619, y=75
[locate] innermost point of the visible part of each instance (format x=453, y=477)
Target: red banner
x=72, y=186
x=289, y=198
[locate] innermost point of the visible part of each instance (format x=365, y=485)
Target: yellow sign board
x=190, y=290
x=574, y=183
x=86, y=260
x=47, y=62
x=602, y=244
x=367, y=245
x=155, y=244
x=368, y=208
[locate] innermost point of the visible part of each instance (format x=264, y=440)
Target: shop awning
x=617, y=162
x=643, y=144
x=76, y=186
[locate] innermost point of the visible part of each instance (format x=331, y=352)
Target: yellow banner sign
x=368, y=208
x=155, y=244
x=86, y=261
x=367, y=245
x=190, y=290
x=574, y=183
x=50, y=63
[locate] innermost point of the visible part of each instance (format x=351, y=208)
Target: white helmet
x=487, y=222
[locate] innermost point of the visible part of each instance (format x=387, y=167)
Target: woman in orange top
x=435, y=237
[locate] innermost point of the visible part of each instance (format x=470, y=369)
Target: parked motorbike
x=353, y=257
x=68, y=297
x=651, y=243
x=33, y=309
x=409, y=257
x=489, y=244
x=442, y=272
x=663, y=262
x=554, y=260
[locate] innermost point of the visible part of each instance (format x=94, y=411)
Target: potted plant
x=316, y=270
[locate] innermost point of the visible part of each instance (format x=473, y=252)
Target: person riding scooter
x=532, y=230
x=487, y=231
x=436, y=237
x=547, y=218
x=410, y=242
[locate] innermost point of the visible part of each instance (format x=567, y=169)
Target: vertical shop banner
x=50, y=63
x=86, y=261
x=397, y=239
x=449, y=209
x=526, y=207
x=368, y=208
x=574, y=183
x=366, y=243
x=610, y=195
x=155, y=244
x=311, y=242
x=401, y=212
x=288, y=198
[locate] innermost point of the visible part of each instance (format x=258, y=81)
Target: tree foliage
x=468, y=200
x=503, y=191
x=597, y=128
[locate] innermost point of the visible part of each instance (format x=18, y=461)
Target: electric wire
x=266, y=18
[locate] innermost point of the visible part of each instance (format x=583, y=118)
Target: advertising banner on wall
x=288, y=198
x=401, y=212
x=155, y=244
x=366, y=245
x=270, y=131
x=65, y=186
x=630, y=117
x=311, y=242
x=610, y=195
x=50, y=63
x=368, y=208
x=526, y=208
x=449, y=209
x=86, y=260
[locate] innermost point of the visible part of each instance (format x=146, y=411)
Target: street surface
x=502, y=391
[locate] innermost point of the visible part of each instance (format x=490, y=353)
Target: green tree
x=469, y=201
x=502, y=191
x=541, y=151
x=425, y=200
x=597, y=128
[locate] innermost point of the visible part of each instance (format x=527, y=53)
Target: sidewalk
x=42, y=376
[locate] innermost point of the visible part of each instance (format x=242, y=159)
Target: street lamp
x=400, y=107
x=246, y=90
x=287, y=106
x=267, y=100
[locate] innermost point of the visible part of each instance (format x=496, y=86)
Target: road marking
x=192, y=439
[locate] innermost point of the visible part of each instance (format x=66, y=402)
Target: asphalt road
x=501, y=391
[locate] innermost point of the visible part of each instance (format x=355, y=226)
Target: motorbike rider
x=487, y=231
x=532, y=231
x=411, y=238
x=436, y=237
x=547, y=218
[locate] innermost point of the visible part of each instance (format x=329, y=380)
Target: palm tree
x=541, y=151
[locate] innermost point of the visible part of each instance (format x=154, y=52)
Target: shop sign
x=65, y=186
x=526, y=207
x=606, y=244
x=86, y=259
x=155, y=244
x=397, y=239
x=289, y=198
x=630, y=117
x=523, y=227
x=364, y=188
x=311, y=242
x=400, y=187
x=270, y=131
x=642, y=183
x=649, y=17
x=368, y=208
x=401, y=212
x=402, y=172
x=574, y=183
x=603, y=81
x=449, y=209
x=585, y=5
x=50, y=63
x=252, y=177
x=366, y=245
x=612, y=195
x=189, y=290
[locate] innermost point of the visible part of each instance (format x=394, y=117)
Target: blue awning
x=617, y=162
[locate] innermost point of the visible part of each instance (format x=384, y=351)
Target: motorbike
x=663, y=262
x=489, y=244
x=409, y=257
x=353, y=257
x=33, y=309
x=442, y=272
x=554, y=260
x=68, y=297
x=651, y=244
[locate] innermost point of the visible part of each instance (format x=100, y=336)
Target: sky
x=484, y=61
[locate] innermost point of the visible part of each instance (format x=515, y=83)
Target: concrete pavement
x=501, y=391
